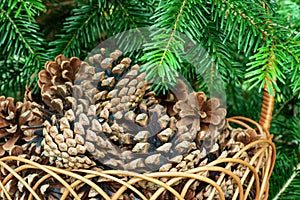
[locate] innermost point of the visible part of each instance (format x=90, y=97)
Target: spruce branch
x=21, y=44
x=172, y=34
x=30, y=8
x=162, y=52
x=64, y=3
x=135, y=14
x=285, y=103
x=242, y=20
x=237, y=12
x=285, y=56
x=290, y=189
x=16, y=27
x=17, y=31
x=131, y=32
x=83, y=30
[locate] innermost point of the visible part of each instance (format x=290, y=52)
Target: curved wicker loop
x=92, y=174
x=193, y=176
x=270, y=154
x=189, y=174
x=54, y=171
x=269, y=137
x=230, y=162
x=139, y=177
x=165, y=174
x=157, y=174
x=38, y=183
x=239, y=120
x=258, y=165
x=17, y=170
x=220, y=169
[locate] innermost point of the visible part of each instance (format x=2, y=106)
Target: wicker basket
x=257, y=174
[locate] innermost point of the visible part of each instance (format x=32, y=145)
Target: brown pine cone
x=56, y=81
x=15, y=118
x=195, y=109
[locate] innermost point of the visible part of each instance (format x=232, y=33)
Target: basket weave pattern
x=258, y=169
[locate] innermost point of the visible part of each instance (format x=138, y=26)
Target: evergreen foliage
x=22, y=49
x=250, y=42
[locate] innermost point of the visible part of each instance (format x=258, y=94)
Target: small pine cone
x=233, y=147
x=245, y=136
x=223, y=138
x=15, y=118
x=190, y=111
x=28, y=94
x=202, y=117
x=196, y=109
x=55, y=81
x=215, y=115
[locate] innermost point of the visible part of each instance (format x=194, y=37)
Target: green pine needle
x=22, y=47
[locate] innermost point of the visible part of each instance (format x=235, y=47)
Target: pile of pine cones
x=102, y=114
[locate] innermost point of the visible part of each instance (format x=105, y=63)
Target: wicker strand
x=5, y=191
x=266, y=110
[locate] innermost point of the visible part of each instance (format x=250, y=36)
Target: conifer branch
x=83, y=30
x=76, y=34
x=245, y=17
x=288, y=183
x=285, y=104
x=131, y=30
x=173, y=32
x=18, y=32
x=133, y=16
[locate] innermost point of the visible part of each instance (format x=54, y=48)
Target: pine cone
x=231, y=143
x=101, y=113
x=56, y=81
x=194, y=110
x=14, y=120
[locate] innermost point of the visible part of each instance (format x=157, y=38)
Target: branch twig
x=286, y=185
x=173, y=32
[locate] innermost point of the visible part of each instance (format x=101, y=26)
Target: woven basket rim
x=261, y=189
